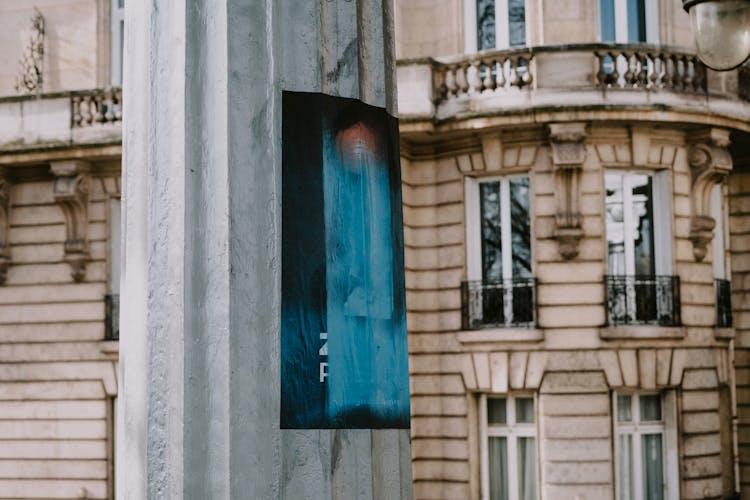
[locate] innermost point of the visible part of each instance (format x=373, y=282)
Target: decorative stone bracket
x=70, y=188
x=568, y=153
x=710, y=162
x=4, y=227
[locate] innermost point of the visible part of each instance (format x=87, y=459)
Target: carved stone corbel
x=567, y=141
x=4, y=227
x=710, y=162
x=70, y=188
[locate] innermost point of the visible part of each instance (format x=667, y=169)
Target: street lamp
x=722, y=31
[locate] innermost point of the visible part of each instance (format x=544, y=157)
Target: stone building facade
x=59, y=246
x=576, y=214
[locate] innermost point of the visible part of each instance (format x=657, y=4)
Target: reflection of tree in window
x=644, y=235
x=485, y=24
x=492, y=262
x=520, y=231
x=516, y=23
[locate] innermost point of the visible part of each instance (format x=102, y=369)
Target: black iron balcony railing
x=499, y=304
x=643, y=300
x=723, y=303
x=112, y=317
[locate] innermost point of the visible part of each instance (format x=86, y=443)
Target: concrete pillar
x=199, y=350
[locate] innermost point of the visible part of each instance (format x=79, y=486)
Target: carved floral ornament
x=567, y=141
x=70, y=188
x=710, y=162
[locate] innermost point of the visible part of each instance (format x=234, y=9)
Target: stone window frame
x=621, y=21
x=501, y=19
x=511, y=431
x=662, y=202
x=667, y=427
x=473, y=220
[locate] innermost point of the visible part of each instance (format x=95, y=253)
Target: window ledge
x=726, y=333
x=110, y=346
x=500, y=335
x=636, y=332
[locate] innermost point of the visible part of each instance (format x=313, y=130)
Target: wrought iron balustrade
x=723, y=303
x=500, y=304
x=643, y=300
x=112, y=317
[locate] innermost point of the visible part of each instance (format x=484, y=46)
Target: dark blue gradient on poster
x=343, y=325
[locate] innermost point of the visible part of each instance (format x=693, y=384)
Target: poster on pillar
x=343, y=314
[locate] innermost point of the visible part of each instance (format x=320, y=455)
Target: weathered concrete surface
x=201, y=298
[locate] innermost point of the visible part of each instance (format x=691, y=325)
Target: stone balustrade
x=96, y=106
x=590, y=76
x=62, y=119
x=633, y=68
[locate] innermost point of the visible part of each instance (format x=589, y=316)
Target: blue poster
x=343, y=317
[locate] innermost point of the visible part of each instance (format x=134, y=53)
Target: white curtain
x=526, y=468
x=498, y=451
x=625, y=467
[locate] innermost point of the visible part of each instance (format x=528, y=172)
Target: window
x=718, y=249
x=117, y=40
x=645, y=451
x=500, y=286
x=494, y=24
x=629, y=21
x=640, y=288
x=112, y=299
x=509, y=465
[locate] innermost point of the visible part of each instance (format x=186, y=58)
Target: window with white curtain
x=645, y=446
x=494, y=24
x=509, y=449
x=117, y=15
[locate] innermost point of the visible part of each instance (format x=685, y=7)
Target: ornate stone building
x=575, y=189
x=577, y=216
x=59, y=246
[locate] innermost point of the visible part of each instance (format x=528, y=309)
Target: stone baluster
x=98, y=113
x=526, y=74
x=687, y=77
x=643, y=69
x=86, y=115
x=488, y=83
x=450, y=81
x=476, y=78
x=614, y=77
x=118, y=102
x=462, y=78
x=109, y=116
x=630, y=73
x=500, y=77
x=76, y=111
x=513, y=77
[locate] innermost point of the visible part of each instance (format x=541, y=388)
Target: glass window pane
x=516, y=22
x=520, y=227
x=498, y=462
x=624, y=408
x=607, y=20
x=485, y=24
x=643, y=218
x=492, y=261
x=653, y=479
x=526, y=468
x=625, y=468
x=496, y=411
x=615, y=226
x=525, y=410
x=650, y=407
x=636, y=21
